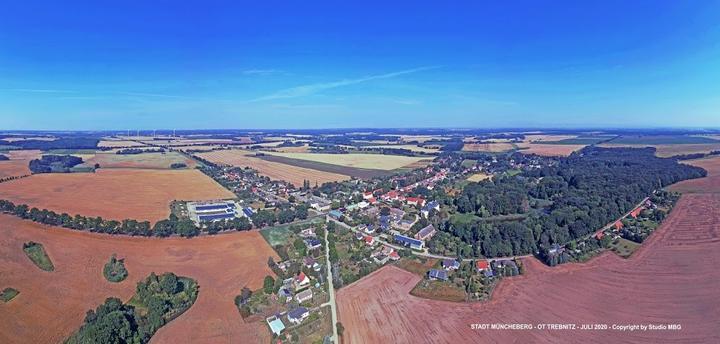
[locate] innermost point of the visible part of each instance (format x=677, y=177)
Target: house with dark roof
x=437, y=275
x=426, y=233
x=450, y=264
x=312, y=243
x=297, y=315
x=409, y=242
x=433, y=205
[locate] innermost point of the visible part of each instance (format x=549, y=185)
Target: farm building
x=410, y=242
x=426, y=233
x=212, y=211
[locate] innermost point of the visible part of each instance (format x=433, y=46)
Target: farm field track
x=274, y=170
x=668, y=150
x=116, y=194
x=548, y=149
x=51, y=305
x=488, y=147
x=664, y=282
x=709, y=184
x=143, y=160
x=18, y=163
x=355, y=160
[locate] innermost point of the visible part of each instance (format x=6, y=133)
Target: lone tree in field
x=114, y=270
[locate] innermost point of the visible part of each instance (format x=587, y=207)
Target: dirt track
x=53, y=304
x=672, y=279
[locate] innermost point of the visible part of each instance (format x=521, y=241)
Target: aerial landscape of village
x=370, y=173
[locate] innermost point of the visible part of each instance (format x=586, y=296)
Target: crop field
x=364, y=161
x=662, y=140
x=548, y=149
x=18, y=163
x=412, y=148
x=709, y=184
x=488, y=147
x=143, y=160
x=668, y=150
x=119, y=143
x=113, y=193
x=51, y=305
x=541, y=138
x=274, y=170
x=655, y=279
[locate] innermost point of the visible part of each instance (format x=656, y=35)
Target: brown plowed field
x=114, y=193
x=545, y=149
x=274, y=170
x=18, y=163
x=51, y=305
x=710, y=184
x=672, y=279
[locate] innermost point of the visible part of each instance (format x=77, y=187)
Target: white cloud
x=306, y=90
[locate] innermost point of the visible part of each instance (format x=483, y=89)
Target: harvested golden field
x=51, y=305
x=366, y=161
x=661, y=283
x=188, y=142
x=299, y=149
x=18, y=163
x=113, y=193
x=479, y=177
x=547, y=138
x=419, y=138
x=143, y=160
x=119, y=143
x=667, y=150
x=488, y=147
x=550, y=149
x=412, y=148
x=274, y=170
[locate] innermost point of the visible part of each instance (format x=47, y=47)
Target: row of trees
x=164, y=228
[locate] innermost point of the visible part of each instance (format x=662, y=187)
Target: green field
x=661, y=140
x=8, y=294
x=37, y=254
x=623, y=247
x=280, y=235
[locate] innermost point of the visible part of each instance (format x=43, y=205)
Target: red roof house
x=482, y=265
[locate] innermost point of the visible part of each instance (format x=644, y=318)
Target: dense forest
x=54, y=163
x=60, y=143
x=164, y=297
x=555, y=203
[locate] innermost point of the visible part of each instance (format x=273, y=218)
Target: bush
x=114, y=270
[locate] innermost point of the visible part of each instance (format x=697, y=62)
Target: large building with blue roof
x=212, y=211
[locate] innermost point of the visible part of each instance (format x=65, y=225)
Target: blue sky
x=74, y=65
